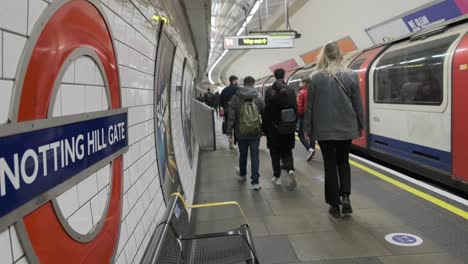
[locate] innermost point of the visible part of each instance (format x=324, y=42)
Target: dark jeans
x=304, y=142
x=254, y=145
x=277, y=156
x=337, y=171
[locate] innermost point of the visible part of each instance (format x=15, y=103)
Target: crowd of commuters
x=327, y=110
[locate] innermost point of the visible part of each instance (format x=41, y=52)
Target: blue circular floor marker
x=404, y=239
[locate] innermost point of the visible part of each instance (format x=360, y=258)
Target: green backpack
x=249, y=120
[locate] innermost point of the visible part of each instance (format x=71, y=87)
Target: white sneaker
x=292, y=180
x=311, y=154
x=256, y=187
x=239, y=177
x=276, y=181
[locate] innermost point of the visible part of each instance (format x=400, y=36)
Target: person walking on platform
x=301, y=107
x=334, y=117
x=216, y=102
x=245, y=109
x=224, y=99
x=209, y=98
x=279, y=126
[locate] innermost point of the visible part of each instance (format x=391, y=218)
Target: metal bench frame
x=169, y=240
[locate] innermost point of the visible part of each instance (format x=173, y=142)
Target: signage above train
x=258, y=42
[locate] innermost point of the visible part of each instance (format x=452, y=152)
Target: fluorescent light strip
x=249, y=18
x=214, y=65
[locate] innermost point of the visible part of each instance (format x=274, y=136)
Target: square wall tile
x=23, y=260
x=81, y=221
x=98, y=79
x=130, y=249
x=13, y=16
x=73, y=99
x=69, y=76
x=13, y=46
x=5, y=247
x=15, y=244
x=68, y=201
x=116, y=6
x=93, y=99
x=84, y=70
x=87, y=189
x=98, y=204
x=121, y=259
x=123, y=237
x=36, y=7
x=6, y=88
x=103, y=176
x=58, y=104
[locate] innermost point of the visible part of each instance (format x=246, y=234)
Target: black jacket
x=282, y=96
x=227, y=94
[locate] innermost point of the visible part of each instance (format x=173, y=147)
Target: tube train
x=415, y=97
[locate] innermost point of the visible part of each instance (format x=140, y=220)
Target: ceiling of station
x=228, y=17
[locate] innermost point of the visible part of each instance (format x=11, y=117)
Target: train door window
x=413, y=75
x=356, y=65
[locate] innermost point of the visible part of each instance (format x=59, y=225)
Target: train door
x=361, y=65
x=460, y=111
x=410, y=101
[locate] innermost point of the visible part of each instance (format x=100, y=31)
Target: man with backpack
x=279, y=125
x=244, y=118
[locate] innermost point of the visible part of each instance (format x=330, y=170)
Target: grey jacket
x=331, y=114
x=235, y=106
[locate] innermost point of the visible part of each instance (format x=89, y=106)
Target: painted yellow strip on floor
x=410, y=189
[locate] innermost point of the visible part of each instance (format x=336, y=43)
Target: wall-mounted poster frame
x=165, y=155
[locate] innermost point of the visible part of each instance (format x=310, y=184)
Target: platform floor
x=294, y=227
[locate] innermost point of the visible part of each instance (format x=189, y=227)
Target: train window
x=356, y=65
x=413, y=75
x=295, y=81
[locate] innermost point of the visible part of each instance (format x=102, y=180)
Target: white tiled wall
x=81, y=91
x=14, y=17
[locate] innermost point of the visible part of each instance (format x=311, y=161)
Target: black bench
x=172, y=242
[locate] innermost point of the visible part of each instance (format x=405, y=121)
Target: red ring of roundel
x=76, y=24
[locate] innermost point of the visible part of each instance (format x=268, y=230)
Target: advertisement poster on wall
x=186, y=95
x=167, y=165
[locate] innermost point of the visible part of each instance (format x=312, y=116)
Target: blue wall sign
x=34, y=162
x=432, y=15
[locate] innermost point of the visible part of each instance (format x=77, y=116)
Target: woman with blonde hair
x=334, y=117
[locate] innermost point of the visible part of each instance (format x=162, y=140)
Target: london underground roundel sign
x=43, y=156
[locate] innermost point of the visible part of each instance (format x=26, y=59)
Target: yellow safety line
x=207, y=205
x=410, y=189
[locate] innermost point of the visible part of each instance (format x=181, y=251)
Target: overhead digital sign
x=258, y=42
x=252, y=41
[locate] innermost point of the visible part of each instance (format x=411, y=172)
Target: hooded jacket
x=281, y=96
x=234, y=107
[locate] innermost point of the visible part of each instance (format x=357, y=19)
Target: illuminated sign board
x=252, y=41
x=258, y=42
